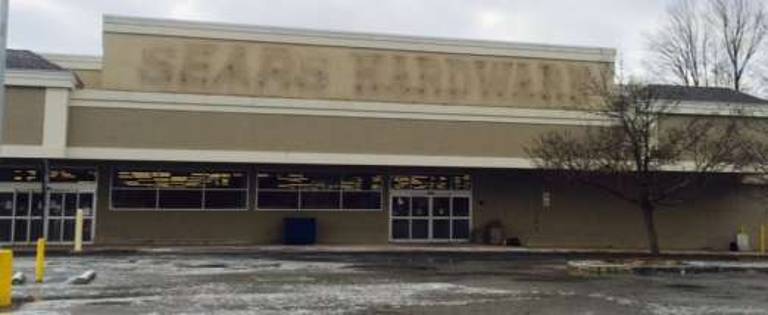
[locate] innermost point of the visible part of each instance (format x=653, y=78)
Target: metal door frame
x=54, y=188
x=430, y=195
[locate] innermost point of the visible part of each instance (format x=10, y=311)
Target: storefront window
x=148, y=189
x=431, y=182
x=56, y=174
x=318, y=191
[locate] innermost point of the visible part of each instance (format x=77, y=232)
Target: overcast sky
x=74, y=26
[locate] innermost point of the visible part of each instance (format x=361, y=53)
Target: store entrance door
x=419, y=216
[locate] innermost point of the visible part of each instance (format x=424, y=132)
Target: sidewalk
x=388, y=249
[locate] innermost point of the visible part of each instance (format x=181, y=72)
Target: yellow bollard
x=79, y=231
x=40, y=261
x=6, y=277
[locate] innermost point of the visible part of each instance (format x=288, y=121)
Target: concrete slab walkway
x=393, y=248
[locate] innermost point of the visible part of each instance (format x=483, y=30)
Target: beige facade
x=196, y=96
x=584, y=217
x=24, y=115
x=195, y=65
x=160, y=129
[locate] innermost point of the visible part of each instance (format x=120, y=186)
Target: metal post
x=6, y=277
x=79, y=231
x=40, y=261
x=44, y=181
x=3, y=44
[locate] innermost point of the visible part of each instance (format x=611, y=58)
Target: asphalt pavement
x=365, y=283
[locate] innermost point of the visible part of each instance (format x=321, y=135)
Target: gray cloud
x=74, y=26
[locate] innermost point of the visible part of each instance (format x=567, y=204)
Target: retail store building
x=201, y=133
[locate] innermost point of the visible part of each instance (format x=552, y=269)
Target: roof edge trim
x=179, y=28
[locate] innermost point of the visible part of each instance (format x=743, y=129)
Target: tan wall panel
x=582, y=217
x=91, y=79
x=24, y=114
x=100, y=127
x=183, y=65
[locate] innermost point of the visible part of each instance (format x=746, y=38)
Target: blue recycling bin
x=300, y=231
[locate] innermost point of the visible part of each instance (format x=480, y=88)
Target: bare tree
x=742, y=27
x=682, y=47
x=647, y=157
x=711, y=43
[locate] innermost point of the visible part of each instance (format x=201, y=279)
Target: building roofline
x=40, y=78
x=74, y=61
x=169, y=27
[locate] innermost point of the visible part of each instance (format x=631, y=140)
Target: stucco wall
x=584, y=217
x=129, y=128
x=24, y=112
x=189, y=65
x=91, y=79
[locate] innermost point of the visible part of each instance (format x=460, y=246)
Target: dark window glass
x=401, y=206
x=181, y=199
x=5, y=230
x=461, y=182
x=361, y=182
x=440, y=182
x=460, y=229
x=22, y=204
x=226, y=180
x=226, y=199
x=432, y=182
x=321, y=182
x=179, y=179
x=35, y=230
x=159, y=179
x=361, y=200
x=282, y=181
x=72, y=175
x=441, y=229
x=19, y=175
x=133, y=179
x=56, y=205
x=400, y=182
x=20, y=230
x=68, y=234
x=86, y=203
x=70, y=205
x=460, y=207
x=421, y=182
x=419, y=229
x=441, y=206
x=54, y=230
x=278, y=200
x=134, y=199
x=400, y=229
x=420, y=206
x=320, y=200
x=6, y=204
x=319, y=191
x=37, y=204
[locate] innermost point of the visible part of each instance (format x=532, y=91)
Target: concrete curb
x=594, y=267
x=381, y=249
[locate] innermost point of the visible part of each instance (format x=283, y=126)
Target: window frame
x=381, y=191
x=157, y=208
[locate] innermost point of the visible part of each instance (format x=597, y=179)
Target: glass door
x=21, y=216
x=417, y=216
x=63, y=207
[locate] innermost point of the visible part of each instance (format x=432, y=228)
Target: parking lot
x=402, y=283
